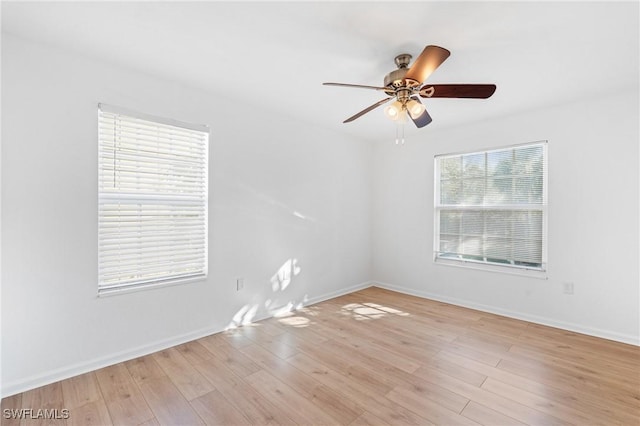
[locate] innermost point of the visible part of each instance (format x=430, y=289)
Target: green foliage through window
x=491, y=206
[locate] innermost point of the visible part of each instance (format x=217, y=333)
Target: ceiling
x=277, y=54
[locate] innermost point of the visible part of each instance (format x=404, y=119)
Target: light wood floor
x=369, y=358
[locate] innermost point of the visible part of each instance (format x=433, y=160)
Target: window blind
x=491, y=206
x=152, y=213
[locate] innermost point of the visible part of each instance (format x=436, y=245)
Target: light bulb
x=415, y=108
x=402, y=117
x=393, y=111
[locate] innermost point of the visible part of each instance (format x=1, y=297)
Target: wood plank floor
x=372, y=357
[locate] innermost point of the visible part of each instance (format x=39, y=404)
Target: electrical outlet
x=567, y=288
x=239, y=284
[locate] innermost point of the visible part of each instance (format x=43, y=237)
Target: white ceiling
x=277, y=54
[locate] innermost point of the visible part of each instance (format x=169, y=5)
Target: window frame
x=524, y=270
x=157, y=198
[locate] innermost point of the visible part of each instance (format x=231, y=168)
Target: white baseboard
x=33, y=382
x=577, y=328
x=37, y=381
x=339, y=293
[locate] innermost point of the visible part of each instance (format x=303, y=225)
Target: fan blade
x=430, y=59
x=423, y=119
x=475, y=91
x=366, y=110
x=361, y=86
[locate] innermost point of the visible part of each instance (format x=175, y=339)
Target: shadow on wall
x=284, y=276
x=280, y=281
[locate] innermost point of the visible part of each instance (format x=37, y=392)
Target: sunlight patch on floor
x=369, y=311
x=295, y=321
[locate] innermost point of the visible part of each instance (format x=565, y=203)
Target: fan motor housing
x=395, y=78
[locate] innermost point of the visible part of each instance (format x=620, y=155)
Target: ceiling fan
x=406, y=86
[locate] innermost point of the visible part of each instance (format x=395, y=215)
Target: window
x=491, y=208
x=152, y=192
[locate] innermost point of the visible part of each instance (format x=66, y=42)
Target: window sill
x=510, y=270
x=108, y=292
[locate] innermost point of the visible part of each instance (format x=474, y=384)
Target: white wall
x=279, y=190
x=593, y=218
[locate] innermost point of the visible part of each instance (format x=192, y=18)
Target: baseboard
x=37, y=381
x=577, y=328
x=338, y=293
x=33, y=382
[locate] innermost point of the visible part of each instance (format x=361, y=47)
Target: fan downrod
x=402, y=60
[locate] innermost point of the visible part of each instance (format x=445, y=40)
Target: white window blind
x=491, y=206
x=152, y=213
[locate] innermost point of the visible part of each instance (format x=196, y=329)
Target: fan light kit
x=405, y=86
